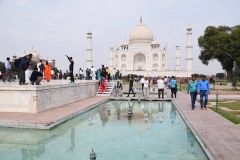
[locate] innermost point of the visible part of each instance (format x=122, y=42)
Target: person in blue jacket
x=192, y=89
x=203, y=90
x=173, y=85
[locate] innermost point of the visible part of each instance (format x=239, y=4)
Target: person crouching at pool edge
x=36, y=77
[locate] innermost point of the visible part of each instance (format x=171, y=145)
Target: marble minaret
x=111, y=58
x=189, y=47
x=177, y=58
x=89, y=50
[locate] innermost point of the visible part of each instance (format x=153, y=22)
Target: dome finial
x=141, y=19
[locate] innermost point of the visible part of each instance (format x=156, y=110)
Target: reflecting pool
x=155, y=131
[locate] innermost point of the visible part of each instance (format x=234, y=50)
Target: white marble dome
x=141, y=33
x=35, y=55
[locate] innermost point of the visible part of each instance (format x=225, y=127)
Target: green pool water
x=155, y=132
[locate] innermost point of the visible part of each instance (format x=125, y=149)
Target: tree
x=2, y=66
x=195, y=75
x=55, y=69
x=223, y=44
x=236, y=71
x=220, y=75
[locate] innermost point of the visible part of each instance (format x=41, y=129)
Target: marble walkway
x=51, y=118
x=218, y=134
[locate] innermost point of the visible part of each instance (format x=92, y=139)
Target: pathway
x=221, y=136
x=51, y=118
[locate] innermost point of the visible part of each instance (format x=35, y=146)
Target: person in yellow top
x=113, y=74
x=108, y=73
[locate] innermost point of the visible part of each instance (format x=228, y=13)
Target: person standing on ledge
x=71, y=66
x=192, y=88
x=23, y=66
x=47, y=72
x=131, y=87
x=173, y=85
x=203, y=90
x=8, y=70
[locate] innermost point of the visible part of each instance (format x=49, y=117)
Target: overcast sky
x=58, y=27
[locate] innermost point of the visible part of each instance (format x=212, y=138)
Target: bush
x=195, y=75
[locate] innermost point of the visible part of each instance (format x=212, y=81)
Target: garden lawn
x=231, y=105
x=231, y=116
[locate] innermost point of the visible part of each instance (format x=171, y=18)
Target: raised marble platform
x=49, y=95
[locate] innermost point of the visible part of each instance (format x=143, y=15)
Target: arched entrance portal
x=124, y=67
x=139, y=62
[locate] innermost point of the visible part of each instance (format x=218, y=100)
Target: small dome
x=125, y=43
x=23, y=54
x=155, y=42
x=141, y=33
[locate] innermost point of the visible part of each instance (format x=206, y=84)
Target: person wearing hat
x=71, y=66
x=36, y=77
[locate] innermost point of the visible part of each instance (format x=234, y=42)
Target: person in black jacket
x=23, y=66
x=71, y=66
x=131, y=87
x=36, y=77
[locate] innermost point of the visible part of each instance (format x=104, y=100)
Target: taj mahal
x=143, y=55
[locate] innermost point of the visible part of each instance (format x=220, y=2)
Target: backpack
x=17, y=62
x=41, y=66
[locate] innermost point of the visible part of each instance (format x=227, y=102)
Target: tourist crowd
x=28, y=73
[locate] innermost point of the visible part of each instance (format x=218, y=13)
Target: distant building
x=36, y=57
x=143, y=55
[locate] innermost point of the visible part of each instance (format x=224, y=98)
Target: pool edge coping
x=201, y=142
x=52, y=124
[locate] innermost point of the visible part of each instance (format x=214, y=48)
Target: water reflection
x=31, y=154
x=190, y=137
x=161, y=110
x=72, y=140
x=75, y=138
x=173, y=113
x=103, y=115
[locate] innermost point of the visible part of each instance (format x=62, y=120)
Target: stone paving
x=221, y=136
x=51, y=118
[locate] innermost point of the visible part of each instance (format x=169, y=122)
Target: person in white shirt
x=165, y=80
x=146, y=86
x=80, y=73
x=142, y=82
x=161, y=85
x=8, y=70
x=40, y=67
x=93, y=74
